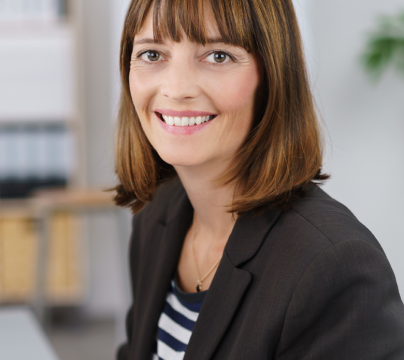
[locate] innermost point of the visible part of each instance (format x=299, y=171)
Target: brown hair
x=283, y=152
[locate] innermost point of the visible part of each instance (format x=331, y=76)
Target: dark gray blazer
x=308, y=283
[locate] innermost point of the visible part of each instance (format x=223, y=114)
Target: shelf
x=58, y=199
x=16, y=208
x=42, y=82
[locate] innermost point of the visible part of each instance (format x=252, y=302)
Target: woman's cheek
x=134, y=90
x=235, y=92
x=142, y=89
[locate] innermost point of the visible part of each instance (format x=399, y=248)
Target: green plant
x=385, y=46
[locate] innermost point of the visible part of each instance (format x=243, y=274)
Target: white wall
x=365, y=121
x=107, y=233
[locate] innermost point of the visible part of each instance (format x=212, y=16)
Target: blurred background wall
x=363, y=121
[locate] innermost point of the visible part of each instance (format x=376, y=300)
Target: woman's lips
x=183, y=125
x=185, y=113
x=184, y=118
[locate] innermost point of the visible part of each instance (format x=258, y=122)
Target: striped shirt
x=176, y=322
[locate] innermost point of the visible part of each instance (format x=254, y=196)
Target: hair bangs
x=174, y=18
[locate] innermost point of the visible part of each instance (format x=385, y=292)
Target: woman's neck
x=212, y=221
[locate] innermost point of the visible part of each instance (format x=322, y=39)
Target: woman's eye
x=218, y=57
x=152, y=56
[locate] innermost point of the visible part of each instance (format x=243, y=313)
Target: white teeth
x=185, y=121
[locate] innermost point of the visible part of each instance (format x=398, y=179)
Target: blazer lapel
x=159, y=264
x=218, y=308
x=229, y=283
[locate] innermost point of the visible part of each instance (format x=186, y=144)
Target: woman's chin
x=181, y=159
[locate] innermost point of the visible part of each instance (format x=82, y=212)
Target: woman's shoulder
x=317, y=228
x=342, y=283
x=332, y=221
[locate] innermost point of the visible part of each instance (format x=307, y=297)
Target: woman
x=235, y=252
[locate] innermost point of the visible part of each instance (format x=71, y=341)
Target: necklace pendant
x=199, y=286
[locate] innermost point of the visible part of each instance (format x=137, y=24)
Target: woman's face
x=195, y=103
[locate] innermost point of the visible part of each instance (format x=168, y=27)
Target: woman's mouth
x=185, y=120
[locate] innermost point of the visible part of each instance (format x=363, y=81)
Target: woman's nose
x=180, y=80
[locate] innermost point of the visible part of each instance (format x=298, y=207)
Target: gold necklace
x=199, y=282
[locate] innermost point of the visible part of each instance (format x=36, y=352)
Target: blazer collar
x=226, y=290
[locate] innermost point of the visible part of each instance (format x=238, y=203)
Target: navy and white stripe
x=181, y=310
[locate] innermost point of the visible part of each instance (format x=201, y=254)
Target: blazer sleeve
x=346, y=306
x=123, y=350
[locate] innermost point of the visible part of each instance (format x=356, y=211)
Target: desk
x=21, y=337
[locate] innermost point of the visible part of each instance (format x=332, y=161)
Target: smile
x=184, y=120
